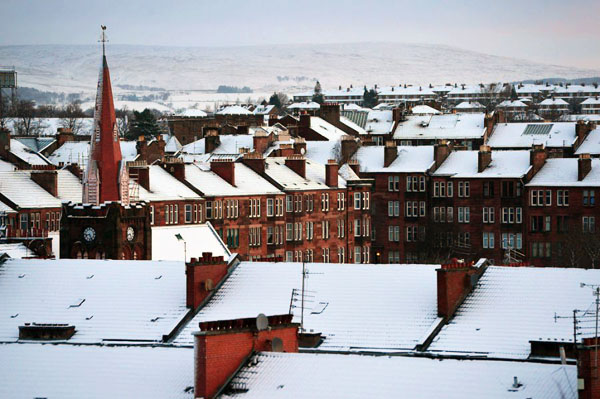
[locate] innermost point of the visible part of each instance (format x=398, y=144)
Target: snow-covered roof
x=5, y=208
x=352, y=125
x=106, y=300
x=73, y=372
x=591, y=144
x=165, y=187
x=326, y=129
x=354, y=107
x=78, y=152
x=6, y=166
x=247, y=181
x=562, y=172
x=579, y=117
x=290, y=180
x=230, y=144
x=26, y=154
x=304, y=105
x=446, y=126
x=172, y=145
x=523, y=135
x=322, y=151
x=511, y=306
x=591, y=101
x=15, y=250
x=469, y=105
x=36, y=143
x=554, y=101
x=356, y=307
x=319, y=375
x=18, y=187
x=263, y=109
x=505, y=164
x=49, y=126
x=417, y=159
x=234, y=110
x=199, y=238
x=424, y=110
x=379, y=122
x=511, y=104
x=69, y=187
x=193, y=112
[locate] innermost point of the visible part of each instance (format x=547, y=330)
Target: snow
x=199, y=238
x=512, y=305
x=591, y=144
x=469, y=105
x=105, y=300
x=18, y=187
x=356, y=307
x=379, y=122
x=304, y=106
x=290, y=180
x=511, y=135
x=322, y=151
x=78, y=152
x=562, y=172
x=352, y=125
x=304, y=375
x=6, y=166
x=16, y=250
x=505, y=164
x=326, y=129
x=26, y=154
x=410, y=159
x=511, y=104
x=263, y=109
x=230, y=144
x=554, y=101
x=192, y=112
x=247, y=181
x=172, y=145
x=69, y=187
x=49, y=126
x=73, y=372
x=591, y=101
x=234, y=110
x=424, y=110
x=165, y=187
x=446, y=126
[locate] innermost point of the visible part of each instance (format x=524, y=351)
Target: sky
x=549, y=31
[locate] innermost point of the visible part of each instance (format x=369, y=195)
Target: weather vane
x=103, y=38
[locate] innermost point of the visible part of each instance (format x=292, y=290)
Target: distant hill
x=70, y=68
x=577, y=81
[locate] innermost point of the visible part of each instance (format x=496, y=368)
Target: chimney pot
x=584, y=166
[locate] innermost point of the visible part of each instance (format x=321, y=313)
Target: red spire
x=106, y=178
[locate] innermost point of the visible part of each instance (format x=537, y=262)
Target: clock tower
x=105, y=225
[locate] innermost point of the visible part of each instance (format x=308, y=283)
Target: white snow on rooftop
x=18, y=187
x=410, y=159
x=424, y=110
x=304, y=105
x=379, y=122
x=247, y=181
x=511, y=306
x=26, y=154
x=234, y=110
x=78, y=152
x=104, y=300
x=591, y=101
x=352, y=125
x=326, y=129
x=69, y=186
x=71, y=371
x=523, y=135
x=322, y=151
x=356, y=307
x=446, y=126
x=276, y=169
x=469, y=105
x=15, y=250
x=230, y=144
x=198, y=238
x=554, y=101
x=165, y=187
x=192, y=112
x=562, y=172
x=511, y=104
x=315, y=375
x=505, y=164
x=591, y=144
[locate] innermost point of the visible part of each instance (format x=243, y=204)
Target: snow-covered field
x=190, y=73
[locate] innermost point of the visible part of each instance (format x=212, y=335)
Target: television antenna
x=305, y=295
x=103, y=38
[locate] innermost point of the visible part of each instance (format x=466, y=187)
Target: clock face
x=130, y=234
x=89, y=234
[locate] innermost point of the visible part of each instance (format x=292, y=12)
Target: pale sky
x=563, y=32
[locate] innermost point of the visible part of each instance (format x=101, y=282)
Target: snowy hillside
x=267, y=68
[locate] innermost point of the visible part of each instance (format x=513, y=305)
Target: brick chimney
x=156, y=150
x=175, y=167
x=354, y=165
x=299, y=145
x=224, y=168
x=63, y=135
x=261, y=141
x=221, y=347
x=484, y=158
x=304, y=121
x=587, y=371
x=455, y=280
x=4, y=142
x=211, y=141
x=582, y=129
x=349, y=147
x=141, y=174
x=330, y=113
x=47, y=179
x=331, y=173
x=537, y=157
x=390, y=153
x=202, y=276
x=254, y=161
x=397, y=114
x=297, y=163
x=441, y=150
x=273, y=119
x=584, y=166
x=142, y=148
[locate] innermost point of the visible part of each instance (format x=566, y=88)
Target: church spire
x=106, y=176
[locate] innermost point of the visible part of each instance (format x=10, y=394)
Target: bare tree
x=122, y=115
x=26, y=121
x=72, y=117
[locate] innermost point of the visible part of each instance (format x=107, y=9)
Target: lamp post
x=180, y=238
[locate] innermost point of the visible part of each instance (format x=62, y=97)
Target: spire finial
x=103, y=38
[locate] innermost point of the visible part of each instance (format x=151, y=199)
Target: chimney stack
x=221, y=347
x=297, y=163
x=141, y=174
x=330, y=113
x=254, y=161
x=587, y=377
x=4, y=142
x=456, y=280
x=63, y=135
x=331, y=173
x=304, y=121
x=537, y=157
x=273, y=119
x=584, y=166
x=354, y=165
x=299, y=146
x=211, y=141
x=484, y=157
x=261, y=141
x=224, y=168
x=47, y=179
x=582, y=129
x=202, y=276
x=349, y=147
x=142, y=148
x=175, y=167
x=441, y=150
x=397, y=114
x=390, y=153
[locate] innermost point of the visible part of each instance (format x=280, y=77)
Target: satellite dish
x=302, y=151
x=262, y=322
x=277, y=345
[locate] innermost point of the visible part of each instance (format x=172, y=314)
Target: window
x=254, y=208
x=188, y=213
x=450, y=214
x=325, y=229
x=357, y=229
x=298, y=203
x=508, y=189
x=422, y=183
x=511, y=240
x=589, y=197
x=436, y=189
x=289, y=203
x=298, y=231
x=341, y=228
x=357, y=251
x=152, y=214
x=270, y=235
x=233, y=238
x=270, y=207
x=450, y=189
x=394, y=257
x=254, y=236
x=278, y=206
x=341, y=201
x=341, y=255
x=488, y=240
x=209, y=210
x=411, y=209
x=357, y=201
x=422, y=209
x=464, y=239
x=464, y=214
x=562, y=197
x=325, y=202
x=393, y=208
x=366, y=200
x=309, y=255
x=289, y=256
x=562, y=224
x=289, y=232
x=393, y=183
x=394, y=233
x=488, y=214
x=325, y=255
x=488, y=189
x=589, y=224
x=540, y=249
x=310, y=202
x=218, y=209
x=412, y=233
x=464, y=190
